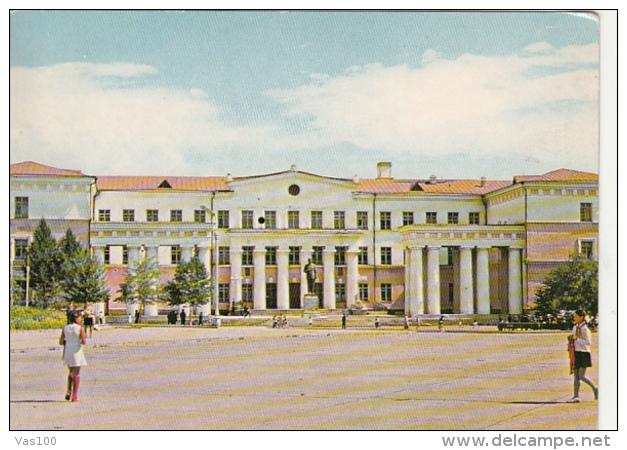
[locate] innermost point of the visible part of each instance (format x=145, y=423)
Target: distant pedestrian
x=275, y=322
x=72, y=339
x=460, y=323
x=137, y=315
x=581, y=339
x=441, y=324
x=310, y=322
x=343, y=321
x=182, y=316
x=283, y=321
x=376, y=323
x=405, y=322
x=200, y=318
x=88, y=320
x=417, y=323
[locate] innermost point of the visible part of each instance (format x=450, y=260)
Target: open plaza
x=301, y=378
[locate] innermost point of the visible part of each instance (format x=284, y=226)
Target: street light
x=214, y=240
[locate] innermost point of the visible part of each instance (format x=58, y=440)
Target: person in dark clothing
x=343, y=321
x=182, y=317
x=137, y=316
x=200, y=318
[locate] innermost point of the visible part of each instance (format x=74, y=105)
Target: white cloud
x=538, y=47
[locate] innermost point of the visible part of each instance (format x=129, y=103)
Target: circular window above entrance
x=294, y=189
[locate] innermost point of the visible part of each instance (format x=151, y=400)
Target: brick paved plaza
x=257, y=378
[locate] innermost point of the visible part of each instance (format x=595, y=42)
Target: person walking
x=88, y=319
x=580, y=341
x=182, y=317
x=405, y=322
x=343, y=321
x=73, y=338
x=441, y=324
x=376, y=323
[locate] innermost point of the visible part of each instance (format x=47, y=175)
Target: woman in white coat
x=73, y=338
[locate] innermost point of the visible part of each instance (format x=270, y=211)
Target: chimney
x=384, y=170
x=432, y=179
x=293, y=167
x=482, y=184
x=229, y=178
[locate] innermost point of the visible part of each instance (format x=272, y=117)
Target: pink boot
x=77, y=379
x=70, y=381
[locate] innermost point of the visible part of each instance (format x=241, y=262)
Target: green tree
x=45, y=261
x=84, y=280
x=574, y=285
x=141, y=284
x=69, y=246
x=190, y=284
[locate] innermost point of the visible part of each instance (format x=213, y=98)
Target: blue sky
x=458, y=95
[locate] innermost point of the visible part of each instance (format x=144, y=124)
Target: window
x=340, y=256
x=224, y=256
x=338, y=220
x=362, y=256
x=293, y=220
x=223, y=292
x=453, y=218
x=107, y=255
x=176, y=215
x=247, y=256
x=340, y=292
x=386, y=256
x=247, y=220
x=293, y=190
x=473, y=218
x=20, y=249
x=152, y=215
x=386, y=220
x=104, y=215
x=175, y=254
x=270, y=220
x=125, y=255
x=128, y=215
x=200, y=216
x=316, y=255
x=362, y=220
x=363, y=292
x=585, y=212
x=294, y=256
x=408, y=218
x=586, y=249
x=21, y=207
x=316, y=220
x=432, y=218
x=247, y=293
x=271, y=256
x=386, y=292
x=223, y=219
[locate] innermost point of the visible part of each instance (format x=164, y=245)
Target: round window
x=294, y=189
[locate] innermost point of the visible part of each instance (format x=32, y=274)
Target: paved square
x=255, y=378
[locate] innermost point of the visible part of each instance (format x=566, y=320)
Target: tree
x=141, y=284
x=45, y=262
x=571, y=286
x=69, y=247
x=190, y=284
x=84, y=280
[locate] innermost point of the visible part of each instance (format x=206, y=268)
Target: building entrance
x=294, y=295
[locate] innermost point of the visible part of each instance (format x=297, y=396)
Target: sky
x=206, y=93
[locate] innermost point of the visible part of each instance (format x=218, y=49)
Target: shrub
x=23, y=318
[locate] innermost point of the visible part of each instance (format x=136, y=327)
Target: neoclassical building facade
x=428, y=246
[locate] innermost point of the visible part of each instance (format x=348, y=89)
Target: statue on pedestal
x=311, y=274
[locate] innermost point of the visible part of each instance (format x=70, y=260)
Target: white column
x=352, y=277
x=152, y=253
x=133, y=255
x=186, y=253
x=466, y=305
x=515, y=282
x=204, y=257
x=483, y=281
x=329, y=278
x=416, y=290
x=236, y=274
x=305, y=255
x=282, y=279
x=433, y=280
x=407, y=274
x=99, y=254
x=259, y=279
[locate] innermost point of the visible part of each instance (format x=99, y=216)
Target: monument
x=310, y=299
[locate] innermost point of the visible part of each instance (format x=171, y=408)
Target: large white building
x=427, y=246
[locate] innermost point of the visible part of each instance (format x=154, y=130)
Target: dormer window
x=165, y=185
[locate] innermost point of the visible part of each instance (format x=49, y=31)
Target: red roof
x=31, y=168
x=572, y=176
x=463, y=186
x=140, y=183
x=385, y=186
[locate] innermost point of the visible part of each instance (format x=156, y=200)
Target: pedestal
x=310, y=302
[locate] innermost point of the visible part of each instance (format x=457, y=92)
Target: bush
x=23, y=318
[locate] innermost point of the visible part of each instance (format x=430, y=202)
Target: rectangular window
x=200, y=216
x=270, y=220
x=316, y=220
x=104, y=215
x=339, y=222
x=152, y=215
x=386, y=256
x=223, y=220
x=316, y=255
x=224, y=256
x=175, y=254
x=363, y=292
x=473, y=218
x=340, y=292
x=453, y=218
x=432, y=218
x=340, y=256
x=271, y=256
x=125, y=255
x=176, y=215
x=128, y=215
x=586, y=249
x=408, y=218
x=247, y=293
x=293, y=222
x=247, y=256
x=247, y=220
x=386, y=292
x=585, y=212
x=362, y=256
x=294, y=256
x=20, y=248
x=107, y=255
x=224, y=292
x=21, y=207
x=386, y=220
x=362, y=220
